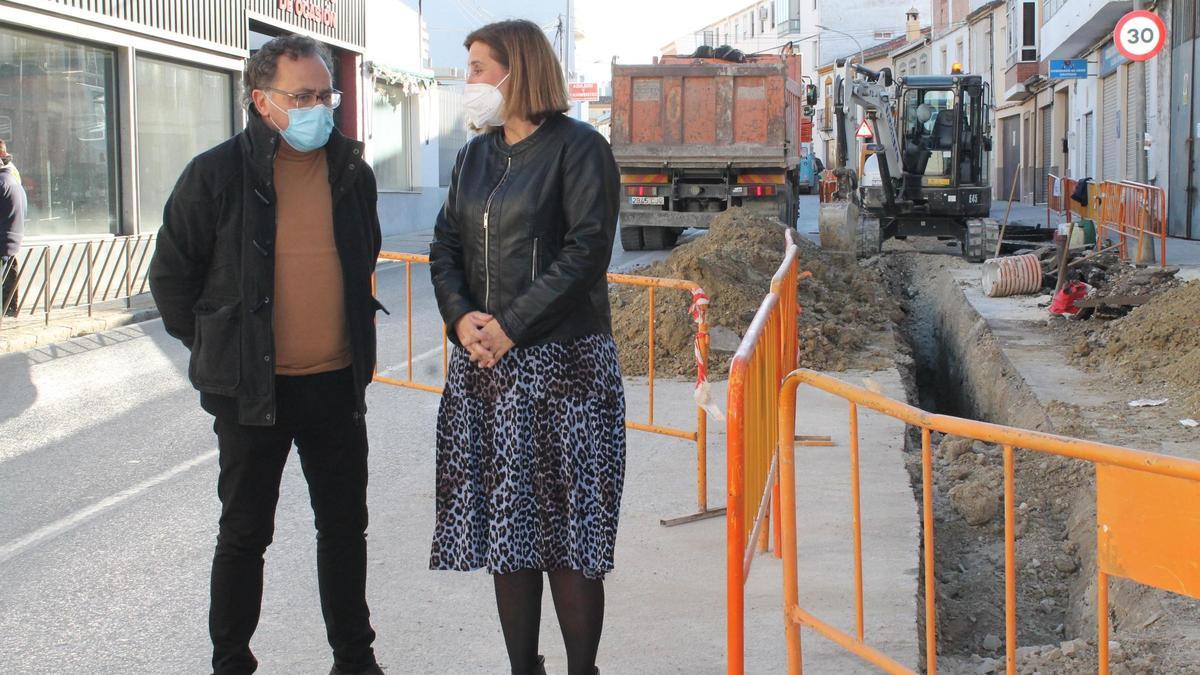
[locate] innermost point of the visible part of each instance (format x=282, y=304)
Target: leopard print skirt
x=531, y=460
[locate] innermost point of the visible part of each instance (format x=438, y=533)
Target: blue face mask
x=308, y=128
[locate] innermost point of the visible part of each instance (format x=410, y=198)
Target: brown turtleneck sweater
x=309, y=306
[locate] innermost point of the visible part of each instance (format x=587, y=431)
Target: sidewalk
x=666, y=609
x=27, y=332
x=1185, y=253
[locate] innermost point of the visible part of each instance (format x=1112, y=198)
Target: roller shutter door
x=1135, y=97
x=1110, y=129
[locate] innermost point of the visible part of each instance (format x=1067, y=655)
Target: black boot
x=373, y=670
x=540, y=668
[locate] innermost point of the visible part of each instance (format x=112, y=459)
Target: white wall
x=395, y=38
x=860, y=18
x=1084, y=95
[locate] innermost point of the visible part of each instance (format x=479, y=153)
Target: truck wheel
x=631, y=239
x=658, y=238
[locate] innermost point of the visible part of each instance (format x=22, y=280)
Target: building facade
x=103, y=104
x=401, y=117
x=851, y=26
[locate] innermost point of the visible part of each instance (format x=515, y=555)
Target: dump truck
x=912, y=160
x=695, y=135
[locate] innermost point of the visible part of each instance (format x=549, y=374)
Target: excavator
x=912, y=160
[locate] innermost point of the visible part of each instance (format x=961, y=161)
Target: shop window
x=391, y=137
x=182, y=111
x=58, y=116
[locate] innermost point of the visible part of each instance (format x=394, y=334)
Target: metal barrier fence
x=1128, y=211
x=75, y=274
x=1145, y=530
x=767, y=352
x=698, y=435
x=1133, y=211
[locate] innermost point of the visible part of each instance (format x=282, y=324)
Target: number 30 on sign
x=1140, y=35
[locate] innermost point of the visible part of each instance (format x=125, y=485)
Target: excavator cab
x=930, y=145
x=944, y=130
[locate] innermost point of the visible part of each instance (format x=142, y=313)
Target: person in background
x=263, y=270
x=531, y=429
x=13, y=204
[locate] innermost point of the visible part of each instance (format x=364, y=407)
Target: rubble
x=844, y=307
x=1158, y=341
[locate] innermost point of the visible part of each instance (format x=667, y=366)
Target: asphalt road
x=108, y=495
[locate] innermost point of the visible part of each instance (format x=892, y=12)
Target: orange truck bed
x=688, y=112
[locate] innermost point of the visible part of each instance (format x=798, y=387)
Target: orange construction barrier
x=698, y=435
x=1133, y=211
x=1144, y=533
x=768, y=350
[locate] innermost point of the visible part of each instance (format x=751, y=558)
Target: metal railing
x=767, y=352
x=1144, y=532
x=1133, y=211
x=697, y=435
x=71, y=275
x=1121, y=210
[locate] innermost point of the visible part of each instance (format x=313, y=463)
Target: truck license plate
x=646, y=200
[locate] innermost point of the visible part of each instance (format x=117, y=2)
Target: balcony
x=1079, y=24
x=1015, y=78
x=787, y=27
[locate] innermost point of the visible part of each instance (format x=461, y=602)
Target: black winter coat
x=213, y=273
x=526, y=233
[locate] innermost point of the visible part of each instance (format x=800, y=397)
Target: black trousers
x=319, y=414
x=8, y=288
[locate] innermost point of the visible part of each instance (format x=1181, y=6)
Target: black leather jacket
x=526, y=233
x=213, y=272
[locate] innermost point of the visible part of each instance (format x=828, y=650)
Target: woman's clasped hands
x=483, y=338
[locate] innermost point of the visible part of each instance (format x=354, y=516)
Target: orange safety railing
x=1145, y=533
x=768, y=350
x=1133, y=211
x=697, y=435
x=1127, y=211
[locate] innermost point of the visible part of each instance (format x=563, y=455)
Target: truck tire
x=659, y=238
x=631, y=239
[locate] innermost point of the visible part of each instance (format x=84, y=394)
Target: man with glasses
x=263, y=270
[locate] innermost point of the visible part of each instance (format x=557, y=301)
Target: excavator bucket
x=846, y=228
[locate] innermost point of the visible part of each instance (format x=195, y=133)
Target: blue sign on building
x=1068, y=69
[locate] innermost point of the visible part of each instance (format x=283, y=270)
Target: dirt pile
x=843, y=304
x=1156, y=342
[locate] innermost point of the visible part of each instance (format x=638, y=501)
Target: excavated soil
x=958, y=367
x=845, y=310
x=1158, y=342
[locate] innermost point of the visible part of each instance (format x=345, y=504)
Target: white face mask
x=482, y=103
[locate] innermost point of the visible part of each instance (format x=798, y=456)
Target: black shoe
x=540, y=668
x=373, y=670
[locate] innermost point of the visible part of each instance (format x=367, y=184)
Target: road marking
x=72, y=521
x=416, y=359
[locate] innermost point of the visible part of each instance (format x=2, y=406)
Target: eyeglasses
x=307, y=99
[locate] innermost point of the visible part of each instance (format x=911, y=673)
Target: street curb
x=25, y=339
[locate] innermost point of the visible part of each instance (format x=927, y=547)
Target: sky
x=636, y=30
x=632, y=30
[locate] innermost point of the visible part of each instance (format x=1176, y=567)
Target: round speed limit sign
x=1140, y=35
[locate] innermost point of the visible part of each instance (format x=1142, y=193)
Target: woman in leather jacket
x=531, y=431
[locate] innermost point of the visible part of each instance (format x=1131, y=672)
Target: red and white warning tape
x=703, y=393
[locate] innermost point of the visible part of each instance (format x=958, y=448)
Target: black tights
x=579, y=603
